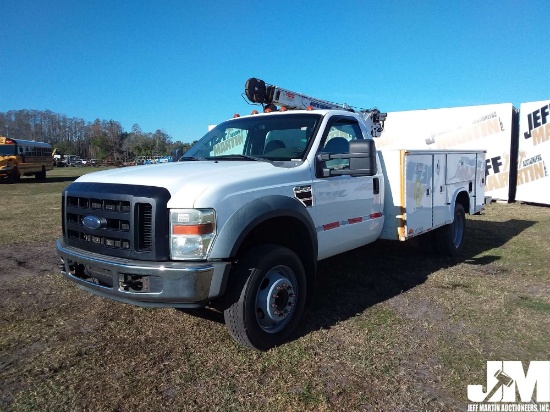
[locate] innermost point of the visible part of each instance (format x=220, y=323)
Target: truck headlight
x=191, y=233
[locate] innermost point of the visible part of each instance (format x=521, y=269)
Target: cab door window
x=337, y=141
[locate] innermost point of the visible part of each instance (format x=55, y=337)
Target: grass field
x=390, y=327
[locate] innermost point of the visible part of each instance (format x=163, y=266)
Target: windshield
x=7, y=150
x=277, y=137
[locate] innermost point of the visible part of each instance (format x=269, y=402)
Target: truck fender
x=244, y=220
x=460, y=192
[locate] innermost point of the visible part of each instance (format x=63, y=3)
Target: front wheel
x=269, y=294
x=450, y=238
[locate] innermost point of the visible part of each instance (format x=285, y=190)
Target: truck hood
x=187, y=181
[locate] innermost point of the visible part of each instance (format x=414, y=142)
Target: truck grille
x=117, y=220
x=145, y=222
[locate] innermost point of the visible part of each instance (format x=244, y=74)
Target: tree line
x=101, y=139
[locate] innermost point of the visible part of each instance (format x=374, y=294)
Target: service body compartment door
x=480, y=183
x=462, y=174
x=418, y=193
x=461, y=167
x=440, y=207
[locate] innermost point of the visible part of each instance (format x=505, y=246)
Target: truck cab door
x=347, y=209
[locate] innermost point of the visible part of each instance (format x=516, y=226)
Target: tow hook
x=61, y=265
x=133, y=283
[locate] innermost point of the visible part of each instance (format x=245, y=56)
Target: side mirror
x=362, y=160
x=366, y=163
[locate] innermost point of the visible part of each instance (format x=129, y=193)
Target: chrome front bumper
x=144, y=283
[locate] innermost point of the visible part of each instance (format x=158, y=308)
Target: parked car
x=72, y=160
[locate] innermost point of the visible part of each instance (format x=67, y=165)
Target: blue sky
x=179, y=66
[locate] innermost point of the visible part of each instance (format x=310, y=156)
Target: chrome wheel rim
x=276, y=299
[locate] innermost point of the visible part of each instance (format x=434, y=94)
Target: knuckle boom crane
x=270, y=96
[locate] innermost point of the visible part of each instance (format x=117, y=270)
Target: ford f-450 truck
x=240, y=222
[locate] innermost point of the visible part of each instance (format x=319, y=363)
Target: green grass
x=533, y=303
x=32, y=211
x=390, y=327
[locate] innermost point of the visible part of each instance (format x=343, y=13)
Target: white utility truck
x=240, y=222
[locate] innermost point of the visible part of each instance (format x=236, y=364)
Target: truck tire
x=450, y=238
x=268, y=297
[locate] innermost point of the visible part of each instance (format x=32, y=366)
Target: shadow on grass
x=350, y=283
x=59, y=179
x=207, y=313
x=56, y=179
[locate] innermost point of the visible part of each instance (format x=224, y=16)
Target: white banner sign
x=534, y=153
x=487, y=127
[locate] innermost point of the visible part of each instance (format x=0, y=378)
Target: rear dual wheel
x=269, y=294
x=449, y=239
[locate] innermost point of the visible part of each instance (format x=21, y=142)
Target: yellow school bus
x=24, y=158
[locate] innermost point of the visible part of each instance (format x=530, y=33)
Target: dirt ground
x=389, y=329
x=28, y=264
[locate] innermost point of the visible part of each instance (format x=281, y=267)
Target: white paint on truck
x=241, y=221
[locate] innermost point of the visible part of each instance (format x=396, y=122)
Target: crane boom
x=257, y=91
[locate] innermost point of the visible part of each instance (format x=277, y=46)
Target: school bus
x=24, y=158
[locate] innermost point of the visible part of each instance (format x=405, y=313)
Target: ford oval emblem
x=92, y=222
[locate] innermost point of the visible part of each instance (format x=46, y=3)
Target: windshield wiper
x=183, y=158
x=238, y=157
